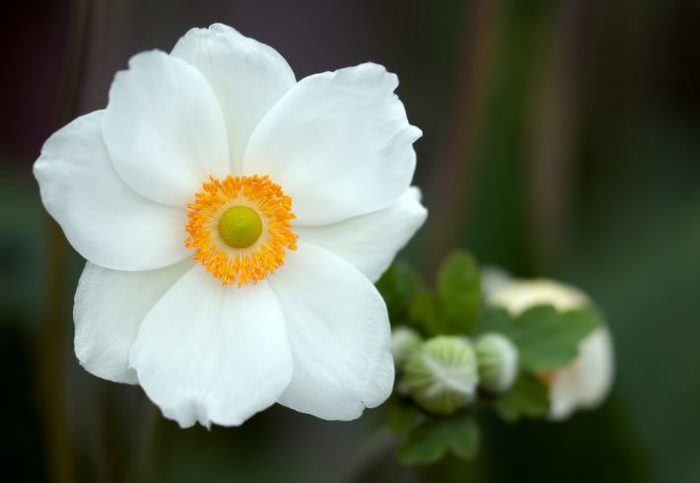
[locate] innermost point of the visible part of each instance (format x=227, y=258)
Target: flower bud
x=498, y=362
x=493, y=280
x=441, y=375
x=404, y=341
x=520, y=295
x=586, y=381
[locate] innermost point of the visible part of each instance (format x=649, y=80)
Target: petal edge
x=247, y=76
x=109, y=306
x=103, y=219
x=338, y=329
x=209, y=353
x=370, y=242
x=338, y=143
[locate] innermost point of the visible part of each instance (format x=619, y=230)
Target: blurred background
x=560, y=139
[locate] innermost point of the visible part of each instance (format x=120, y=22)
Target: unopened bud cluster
x=443, y=374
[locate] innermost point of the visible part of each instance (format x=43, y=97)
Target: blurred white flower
x=494, y=279
x=586, y=381
x=234, y=220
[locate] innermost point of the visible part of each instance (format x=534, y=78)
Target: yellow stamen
x=240, y=228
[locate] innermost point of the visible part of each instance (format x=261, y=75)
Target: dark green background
x=560, y=139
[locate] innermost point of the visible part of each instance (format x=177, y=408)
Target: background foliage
x=561, y=139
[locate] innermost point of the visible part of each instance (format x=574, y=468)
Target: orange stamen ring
x=240, y=265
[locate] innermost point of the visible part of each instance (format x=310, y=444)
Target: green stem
x=449, y=187
x=52, y=369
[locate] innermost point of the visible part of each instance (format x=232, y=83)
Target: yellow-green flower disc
x=240, y=226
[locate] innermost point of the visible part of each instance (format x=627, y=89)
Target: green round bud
x=441, y=375
x=404, y=341
x=240, y=226
x=498, y=362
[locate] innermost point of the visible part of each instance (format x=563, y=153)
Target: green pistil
x=240, y=226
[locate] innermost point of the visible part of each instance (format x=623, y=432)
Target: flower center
x=240, y=228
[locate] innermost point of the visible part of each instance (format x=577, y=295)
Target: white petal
x=597, y=362
x=338, y=143
x=563, y=397
x=164, y=129
x=213, y=353
x=494, y=279
x=247, y=76
x=109, y=307
x=520, y=295
x=371, y=241
x=586, y=381
x=338, y=328
x=104, y=220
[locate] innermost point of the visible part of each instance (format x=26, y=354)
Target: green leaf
x=423, y=313
x=464, y=437
x=459, y=292
x=399, y=415
x=398, y=286
x=423, y=445
x=494, y=319
x=529, y=397
x=430, y=441
x=548, y=339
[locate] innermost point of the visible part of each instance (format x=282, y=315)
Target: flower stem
x=52, y=369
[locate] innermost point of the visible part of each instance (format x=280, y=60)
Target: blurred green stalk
x=52, y=377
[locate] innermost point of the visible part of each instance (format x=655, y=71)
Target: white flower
x=494, y=279
x=586, y=381
x=234, y=220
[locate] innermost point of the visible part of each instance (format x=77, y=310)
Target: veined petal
x=338, y=329
x=248, y=77
x=338, y=143
x=370, y=242
x=164, y=128
x=104, y=220
x=109, y=307
x=213, y=353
